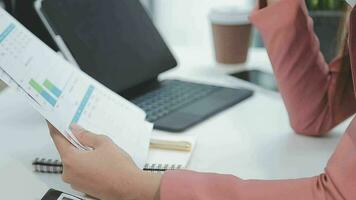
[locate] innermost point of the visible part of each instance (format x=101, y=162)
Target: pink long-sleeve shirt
x=318, y=96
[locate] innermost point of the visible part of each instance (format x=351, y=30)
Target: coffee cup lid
x=229, y=16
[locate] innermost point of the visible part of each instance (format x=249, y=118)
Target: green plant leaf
x=313, y=4
x=325, y=4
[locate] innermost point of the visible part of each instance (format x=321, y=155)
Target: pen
x=171, y=145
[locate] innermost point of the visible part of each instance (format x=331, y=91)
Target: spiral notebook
x=159, y=160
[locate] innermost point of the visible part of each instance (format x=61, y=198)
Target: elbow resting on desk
x=318, y=126
x=313, y=129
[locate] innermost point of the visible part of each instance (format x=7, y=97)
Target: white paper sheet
x=64, y=95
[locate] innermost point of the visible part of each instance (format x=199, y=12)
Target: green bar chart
x=43, y=92
x=52, y=88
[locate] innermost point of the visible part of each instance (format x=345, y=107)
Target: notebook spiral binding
x=43, y=165
x=52, y=166
x=161, y=167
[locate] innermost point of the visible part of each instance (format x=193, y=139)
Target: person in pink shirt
x=317, y=96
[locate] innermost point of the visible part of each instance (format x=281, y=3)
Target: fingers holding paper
x=88, y=138
x=62, y=144
x=106, y=171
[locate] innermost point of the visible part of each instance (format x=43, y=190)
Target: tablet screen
x=113, y=41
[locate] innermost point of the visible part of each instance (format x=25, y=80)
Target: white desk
x=251, y=140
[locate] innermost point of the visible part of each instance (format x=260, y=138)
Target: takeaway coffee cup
x=231, y=33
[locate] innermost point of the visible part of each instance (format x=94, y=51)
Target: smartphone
x=257, y=77
x=57, y=195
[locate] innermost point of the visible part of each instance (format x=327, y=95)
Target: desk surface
x=252, y=140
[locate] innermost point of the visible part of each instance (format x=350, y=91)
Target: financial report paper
x=64, y=95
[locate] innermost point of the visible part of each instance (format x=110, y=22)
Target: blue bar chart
x=83, y=104
x=6, y=32
x=52, y=88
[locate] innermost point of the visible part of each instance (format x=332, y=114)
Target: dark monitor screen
x=26, y=14
x=114, y=41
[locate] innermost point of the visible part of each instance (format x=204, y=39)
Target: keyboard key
x=171, y=96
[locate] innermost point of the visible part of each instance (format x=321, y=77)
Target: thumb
x=85, y=137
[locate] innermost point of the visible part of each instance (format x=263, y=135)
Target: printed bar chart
x=52, y=88
x=6, y=32
x=38, y=88
x=41, y=75
x=83, y=104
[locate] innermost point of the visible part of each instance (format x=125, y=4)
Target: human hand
x=106, y=172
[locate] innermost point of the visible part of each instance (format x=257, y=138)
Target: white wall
x=185, y=22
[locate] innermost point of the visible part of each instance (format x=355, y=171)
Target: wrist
x=149, y=184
